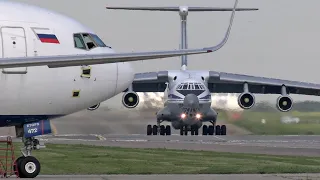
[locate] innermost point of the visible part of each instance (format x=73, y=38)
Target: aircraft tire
x=218, y=130
x=149, y=130
x=181, y=131
x=162, y=130
x=16, y=168
x=186, y=131
x=204, y=130
x=196, y=130
x=168, y=130
x=155, y=130
x=29, y=167
x=211, y=130
x=224, y=130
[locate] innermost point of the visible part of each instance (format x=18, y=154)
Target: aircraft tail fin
x=183, y=12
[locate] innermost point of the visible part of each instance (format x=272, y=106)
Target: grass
x=309, y=123
x=83, y=159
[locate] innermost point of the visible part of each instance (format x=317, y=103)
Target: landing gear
x=158, y=129
x=214, y=129
x=27, y=165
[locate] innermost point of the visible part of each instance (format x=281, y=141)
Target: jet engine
x=284, y=103
x=246, y=100
x=94, y=107
x=130, y=99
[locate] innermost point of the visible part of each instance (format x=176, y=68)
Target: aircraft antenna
x=183, y=12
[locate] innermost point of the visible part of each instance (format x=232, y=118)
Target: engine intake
x=246, y=100
x=94, y=107
x=130, y=99
x=284, y=103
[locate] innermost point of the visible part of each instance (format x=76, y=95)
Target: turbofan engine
x=130, y=99
x=246, y=100
x=94, y=107
x=284, y=103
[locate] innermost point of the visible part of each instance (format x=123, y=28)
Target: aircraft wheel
x=149, y=130
x=16, y=168
x=155, y=130
x=186, y=130
x=211, y=130
x=29, y=167
x=181, y=131
x=168, y=130
x=223, y=130
x=218, y=130
x=196, y=130
x=162, y=130
x=204, y=130
x=192, y=130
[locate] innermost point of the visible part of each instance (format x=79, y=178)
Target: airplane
x=188, y=92
x=52, y=66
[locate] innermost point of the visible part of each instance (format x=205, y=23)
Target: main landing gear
x=158, y=129
x=214, y=129
x=27, y=165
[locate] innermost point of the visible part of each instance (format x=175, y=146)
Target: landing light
x=183, y=115
x=198, y=116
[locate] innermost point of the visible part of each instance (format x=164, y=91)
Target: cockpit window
x=78, y=42
x=98, y=40
x=87, y=41
x=191, y=88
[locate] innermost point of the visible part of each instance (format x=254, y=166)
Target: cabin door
x=14, y=45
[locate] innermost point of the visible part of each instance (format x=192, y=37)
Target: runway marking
x=100, y=137
x=219, y=138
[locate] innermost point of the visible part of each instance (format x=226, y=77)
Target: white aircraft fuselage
x=36, y=93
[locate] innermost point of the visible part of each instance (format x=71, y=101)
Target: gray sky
x=280, y=40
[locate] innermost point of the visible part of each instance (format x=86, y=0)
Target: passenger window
x=78, y=42
x=196, y=86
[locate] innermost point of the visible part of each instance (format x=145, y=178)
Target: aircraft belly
x=49, y=92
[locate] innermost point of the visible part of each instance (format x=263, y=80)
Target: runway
x=275, y=145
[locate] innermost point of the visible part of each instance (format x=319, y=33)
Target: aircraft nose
x=125, y=76
x=191, y=100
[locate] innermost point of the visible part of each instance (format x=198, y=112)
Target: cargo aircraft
x=188, y=92
x=52, y=66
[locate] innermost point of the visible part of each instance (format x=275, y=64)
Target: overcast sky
x=281, y=40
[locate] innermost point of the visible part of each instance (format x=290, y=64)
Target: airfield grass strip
x=84, y=159
x=309, y=123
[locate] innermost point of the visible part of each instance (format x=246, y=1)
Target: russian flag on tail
x=48, y=38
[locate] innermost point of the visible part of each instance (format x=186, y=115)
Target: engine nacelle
x=94, y=107
x=284, y=103
x=130, y=99
x=246, y=100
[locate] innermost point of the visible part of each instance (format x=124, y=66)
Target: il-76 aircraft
x=53, y=66
x=188, y=92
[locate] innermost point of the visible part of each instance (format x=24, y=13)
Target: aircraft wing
x=89, y=59
x=150, y=82
x=221, y=82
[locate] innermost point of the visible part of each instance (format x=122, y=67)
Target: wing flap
x=221, y=82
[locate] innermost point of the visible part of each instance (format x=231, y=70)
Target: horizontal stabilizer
x=197, y=9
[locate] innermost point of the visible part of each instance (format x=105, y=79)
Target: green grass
x=309, y=123
x=81, y=159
